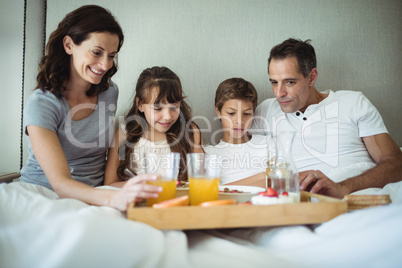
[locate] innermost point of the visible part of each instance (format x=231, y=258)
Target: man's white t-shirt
x=240, y=161
x=328, y=134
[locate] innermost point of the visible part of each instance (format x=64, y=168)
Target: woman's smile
x=95, y=71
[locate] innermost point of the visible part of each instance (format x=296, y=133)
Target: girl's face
x=160, y=117
x=92, y=58
x=236, y=116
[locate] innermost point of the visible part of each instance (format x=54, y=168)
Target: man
x=341, y=144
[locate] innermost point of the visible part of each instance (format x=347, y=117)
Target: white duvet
x=39, y=230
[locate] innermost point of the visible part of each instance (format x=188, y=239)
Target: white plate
x=248, y=192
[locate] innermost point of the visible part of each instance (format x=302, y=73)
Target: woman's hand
x=135, y=190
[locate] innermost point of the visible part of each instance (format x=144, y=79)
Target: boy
x=243, y=155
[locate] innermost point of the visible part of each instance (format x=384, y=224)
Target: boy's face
x=236, y=116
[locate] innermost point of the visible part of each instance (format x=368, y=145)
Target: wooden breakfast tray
x=236, y=216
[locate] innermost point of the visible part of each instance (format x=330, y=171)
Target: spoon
x=129, y=172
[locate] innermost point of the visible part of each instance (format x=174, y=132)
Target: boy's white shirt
x=243, y=160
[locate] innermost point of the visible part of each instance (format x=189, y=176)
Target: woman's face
x=160, y=117
x=92, y=58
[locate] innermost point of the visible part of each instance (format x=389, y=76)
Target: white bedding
x=39, y=230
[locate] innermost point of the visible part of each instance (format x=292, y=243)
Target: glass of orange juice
x=166, y=166
x=203, y=176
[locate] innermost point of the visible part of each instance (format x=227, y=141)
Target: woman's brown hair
x=179, y=136
x=54, y=68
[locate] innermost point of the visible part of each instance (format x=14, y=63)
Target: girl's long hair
x=179, y=136
x=54, y=67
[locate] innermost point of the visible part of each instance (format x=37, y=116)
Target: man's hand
x=315, y=181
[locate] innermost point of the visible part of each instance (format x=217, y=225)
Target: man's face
x=293, y=91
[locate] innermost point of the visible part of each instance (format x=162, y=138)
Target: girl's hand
x=135, y=190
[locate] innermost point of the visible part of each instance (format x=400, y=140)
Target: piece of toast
x=366, y=201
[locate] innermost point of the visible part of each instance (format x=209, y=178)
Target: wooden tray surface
x=236, y=216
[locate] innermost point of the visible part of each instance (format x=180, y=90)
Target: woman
x=69, y=117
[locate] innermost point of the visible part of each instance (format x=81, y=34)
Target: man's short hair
x=302, y=50
x=235, y=88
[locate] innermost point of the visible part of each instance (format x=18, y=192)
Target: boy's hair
x=302, y=50
x=235, y=88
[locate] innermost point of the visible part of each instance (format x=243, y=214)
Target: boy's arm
x=258, y=180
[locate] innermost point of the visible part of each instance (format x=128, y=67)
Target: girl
x=66, y=122
x=159, y=121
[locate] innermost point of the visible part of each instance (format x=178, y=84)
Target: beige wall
x=358, y=45
x=11, y=46
x=10, y=90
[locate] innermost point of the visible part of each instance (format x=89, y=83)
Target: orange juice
x=203, y=189
x=169, y=191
